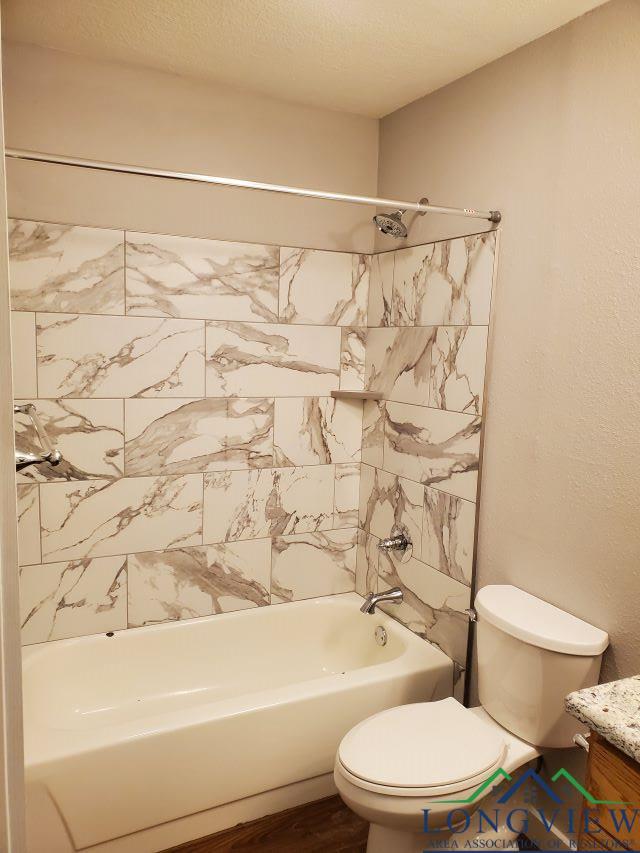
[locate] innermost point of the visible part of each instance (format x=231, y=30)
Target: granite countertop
x=612, y=710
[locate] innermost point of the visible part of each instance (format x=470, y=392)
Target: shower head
x=391, y=224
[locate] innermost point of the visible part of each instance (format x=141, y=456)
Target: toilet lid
x=430, y=744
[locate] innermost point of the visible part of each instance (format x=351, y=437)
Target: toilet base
x=384, y=839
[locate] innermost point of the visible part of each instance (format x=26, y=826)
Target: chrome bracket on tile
x=48, y=452
x=581, y=741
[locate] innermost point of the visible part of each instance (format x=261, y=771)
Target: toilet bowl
x=430, y=753
x=418, y=772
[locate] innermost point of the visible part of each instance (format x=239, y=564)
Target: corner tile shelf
x=357, y=395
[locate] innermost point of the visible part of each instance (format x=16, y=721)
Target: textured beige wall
x=62, y=103
x=551, y=135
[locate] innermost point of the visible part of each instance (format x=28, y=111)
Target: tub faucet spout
x=394, y=596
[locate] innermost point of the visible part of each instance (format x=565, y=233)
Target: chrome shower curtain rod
x=101, y=166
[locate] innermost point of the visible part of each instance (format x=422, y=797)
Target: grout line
x=202, y=509
x=124, y=271
x=134, y=477
x=126, y=561
x=249, y=322
x=279, y=306
x=39, y=523
x=257, y=396
x=205, y=360
x=271, y=569
x=35, y=355
x=334, y=514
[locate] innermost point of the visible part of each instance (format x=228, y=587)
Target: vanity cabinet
x=611, y=775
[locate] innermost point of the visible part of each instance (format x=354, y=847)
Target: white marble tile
x=23, y=354
x=399, y=363
x=408, y=266
x=307, y=565
x=267, y=502
x=239, y=505
x=458, y=365
x=189, y=436
x=28, y=512
x=433, y=605
x=205, y=279
x=457, y=287
x=381, y=289
x=447, y=534
x=445, y=283
x=199, y=581
x=361, y=283
x=352, y=358
x=347, y=495
x=242, y=572
x=88, y=433
x=433, y=447
x=305, y=499
x=91, y=356
x=388, y=502
x=99, y=518
x=252, y=360
x=65, y=268
x=317, y=430
x=367, y=563
x=373, y=420
x=177, y=436
x=72, y=599
x=323, y=288
x=250, y=432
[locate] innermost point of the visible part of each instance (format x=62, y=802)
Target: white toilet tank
x=530, y=656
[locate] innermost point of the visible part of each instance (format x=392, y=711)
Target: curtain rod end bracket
x=495, y=216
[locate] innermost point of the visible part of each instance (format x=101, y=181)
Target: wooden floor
x=326, y=825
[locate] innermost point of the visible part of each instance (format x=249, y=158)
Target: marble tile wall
x=426, y=343
x=187, y=383
x=206, y=467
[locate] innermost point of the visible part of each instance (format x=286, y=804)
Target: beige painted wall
x=550, y=135
x=67, y=104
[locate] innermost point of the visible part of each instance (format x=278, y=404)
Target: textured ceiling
x=359, y=56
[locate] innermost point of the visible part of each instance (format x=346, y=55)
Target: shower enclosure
x=236, y=426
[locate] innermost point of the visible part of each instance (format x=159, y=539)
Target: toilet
x=395, y=764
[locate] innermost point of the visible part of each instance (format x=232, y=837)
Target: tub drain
x=381, y=636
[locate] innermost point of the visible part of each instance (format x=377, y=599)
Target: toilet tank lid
x=537, y=622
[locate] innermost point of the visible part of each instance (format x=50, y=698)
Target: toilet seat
x=426, y=749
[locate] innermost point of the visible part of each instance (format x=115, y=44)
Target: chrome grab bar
x=49, y=453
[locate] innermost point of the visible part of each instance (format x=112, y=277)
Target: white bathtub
x=153, y=724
